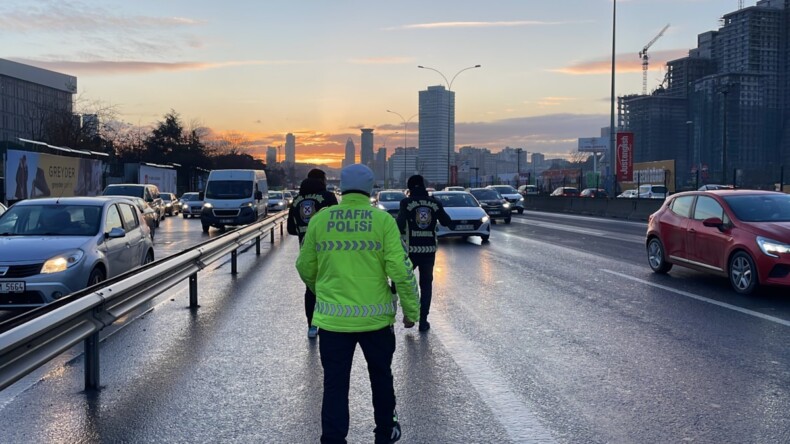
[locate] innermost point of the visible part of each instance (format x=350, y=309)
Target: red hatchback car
x=741, y=234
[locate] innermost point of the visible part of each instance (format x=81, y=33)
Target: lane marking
x=520, y=423
x=555, y=226
x=756, y=314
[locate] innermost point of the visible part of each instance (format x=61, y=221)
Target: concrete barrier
x=630, y=209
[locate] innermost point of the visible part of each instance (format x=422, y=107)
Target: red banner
x=625, y=157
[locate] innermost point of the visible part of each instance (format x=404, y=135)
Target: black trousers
x=337, y=354
x=424, y=263
x=309, y=306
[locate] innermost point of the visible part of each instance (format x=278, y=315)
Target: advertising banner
x=30, y=174
x=625, y=157
x=593, y=144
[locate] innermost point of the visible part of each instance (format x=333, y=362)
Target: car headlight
x=484, y=219
x=506, y=205
x=521, y=199
x=62, y=262
x=208, y=205
x=246, y=205
x=184, y=206
x=771, y=247
x=168, y=205
x=280, y=203
x=381, y=207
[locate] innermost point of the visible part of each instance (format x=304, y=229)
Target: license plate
x=12, y=287
x=464, y=227
x=226, y=221
x=492, y=212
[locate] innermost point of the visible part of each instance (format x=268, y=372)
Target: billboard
x=30, y=174
x=655, y=172
x=164, y=178
x=624, y=156
x=593, y=144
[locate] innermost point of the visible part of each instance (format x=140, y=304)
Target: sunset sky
x=323, y=69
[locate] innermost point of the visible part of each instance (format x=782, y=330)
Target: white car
x=653, y=192
x=52, y=247
x=469, y=218
x=191, y=205
x=628, y=194
x=389, y=201
x=277, y=202
x=511, y=195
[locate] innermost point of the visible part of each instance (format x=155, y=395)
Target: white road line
x=586, y=231
x=756, y=314
x=520, y=423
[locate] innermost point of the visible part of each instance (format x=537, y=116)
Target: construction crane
x=643, y=55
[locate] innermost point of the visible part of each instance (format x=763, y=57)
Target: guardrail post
x=258, y=245
x=271, y=236
x=193, y=291
x=92, y=362
x=233, y=261
x=281, y=230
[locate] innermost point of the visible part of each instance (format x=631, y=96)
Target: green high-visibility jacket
x=348, y=252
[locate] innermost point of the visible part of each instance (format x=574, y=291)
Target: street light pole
x=405, y=131
x=518, y=166
x=449, y=89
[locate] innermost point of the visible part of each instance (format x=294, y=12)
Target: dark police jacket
x=305, y=207
x=417, y=219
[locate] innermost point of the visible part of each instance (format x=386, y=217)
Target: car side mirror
x=714, y=222
x=201, y=195
x=258, y=195
x=116, y=233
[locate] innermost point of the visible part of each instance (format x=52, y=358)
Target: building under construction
x=723, y=112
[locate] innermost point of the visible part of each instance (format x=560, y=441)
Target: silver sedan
x=469, y=218
x=53, y=247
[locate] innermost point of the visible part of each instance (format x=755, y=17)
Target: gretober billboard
x=30, y=174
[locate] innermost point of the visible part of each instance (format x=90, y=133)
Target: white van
x=234, y=197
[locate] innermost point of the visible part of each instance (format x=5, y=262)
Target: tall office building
x=437, y=133
x=402, y=164
x=290, y=149
x=271, y=156
x=366, y=148
x=30, y=96
x=380, y=166
x=351, y=155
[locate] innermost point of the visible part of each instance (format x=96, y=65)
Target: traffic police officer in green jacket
x=348, y=254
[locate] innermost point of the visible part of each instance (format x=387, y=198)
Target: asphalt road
x=554, y=331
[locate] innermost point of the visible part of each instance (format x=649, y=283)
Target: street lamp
x=518, y=166
x=405, y=131
x=449, y=88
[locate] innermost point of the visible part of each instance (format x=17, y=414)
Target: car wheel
x=185, y=216
x=520, y=211
x=655, y=256
x=485, y=237
x=507, y=220
x=743, y=273
x=493, y=221
x=206, y=227
x=148, y=257
x=96, y=276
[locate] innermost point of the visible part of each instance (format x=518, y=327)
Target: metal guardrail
x=49, y=332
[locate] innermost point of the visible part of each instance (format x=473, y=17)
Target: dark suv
x=148, y=192
x=496, y=206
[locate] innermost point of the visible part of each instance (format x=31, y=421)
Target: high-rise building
x=437, y=133
x=31, y=96
x=351, y=153
x=725, y=109
x=380, y=166
x=271, y=156
x=402, y=164
x=290, y=149
x=366, y=148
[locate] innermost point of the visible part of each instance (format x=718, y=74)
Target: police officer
x=417, y=219
x=312, y=197
x=348, y=254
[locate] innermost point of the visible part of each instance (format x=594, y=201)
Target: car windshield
x=505, y=189
x=456, y=199
x=275, y=195
x=228, y=189
x=124, y=190
x=189, y=196
x=391, y=197
x=653, y=188
x=51, y=220
x=166, y=198
x=486, y=194
x=760, y=207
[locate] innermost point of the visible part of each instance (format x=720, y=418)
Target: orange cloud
x=623, y=63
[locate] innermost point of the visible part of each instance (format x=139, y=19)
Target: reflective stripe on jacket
x=348, y=253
